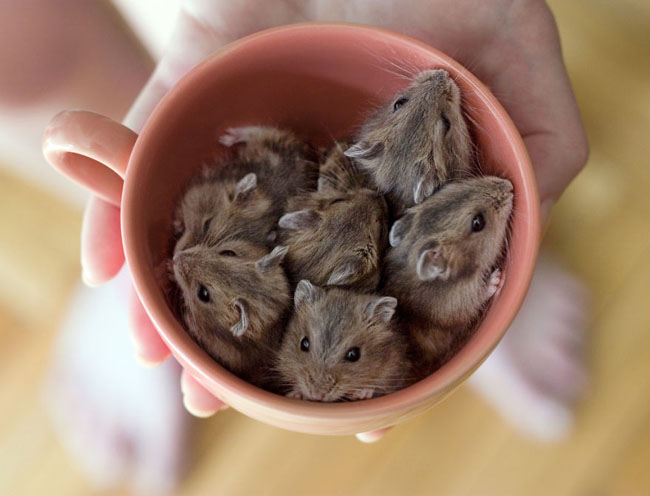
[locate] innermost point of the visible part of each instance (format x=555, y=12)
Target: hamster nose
x=440, y=76
x=501, y=185
x=435, y=76
x=181, y=259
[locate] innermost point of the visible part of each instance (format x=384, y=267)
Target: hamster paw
x=495, y=283
x=362, y=394
x=236, y=135
x=295, y=394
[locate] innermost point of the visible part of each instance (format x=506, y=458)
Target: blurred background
x=600, y=229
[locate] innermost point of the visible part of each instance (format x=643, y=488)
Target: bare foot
x=120, y=421
x=538, y=372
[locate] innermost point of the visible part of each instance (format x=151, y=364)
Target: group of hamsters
x=348, y=276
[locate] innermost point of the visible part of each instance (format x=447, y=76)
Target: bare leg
x=538, y=372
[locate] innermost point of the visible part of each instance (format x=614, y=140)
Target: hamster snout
x=440, y=81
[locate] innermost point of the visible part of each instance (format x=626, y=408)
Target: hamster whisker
x=406, y=71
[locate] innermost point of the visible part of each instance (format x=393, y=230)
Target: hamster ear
x=300, y=220
x=423, y=189
x=240, y=327
x=179, y=227
x=400, y=229
x=306, y=292
x=273, y=259
x=382, y=309
x=245, y=187
x=432, y=265
x=346, y=273
x=326, y=183
x=364, y=150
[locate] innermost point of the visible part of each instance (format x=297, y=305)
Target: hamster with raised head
x=341, y=345
x=336, y=235
x=417, y=141
x=235, y=300
x=442, y=263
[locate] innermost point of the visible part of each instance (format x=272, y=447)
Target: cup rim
x=225, y=384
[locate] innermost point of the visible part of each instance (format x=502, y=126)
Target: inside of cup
x=322, y=84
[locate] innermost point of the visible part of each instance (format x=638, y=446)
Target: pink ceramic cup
x=320, y=80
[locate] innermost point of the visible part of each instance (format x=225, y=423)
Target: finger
x=101, y=242
x=543, y=106
x=192, y=40
x=203, y=26
x=149, y=346
x=372, y=436
x=198, y=400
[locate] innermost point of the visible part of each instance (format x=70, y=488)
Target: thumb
x=192, y=40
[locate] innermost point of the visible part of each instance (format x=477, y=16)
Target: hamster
x=342, y=345
x=243, y=197
x=338, y=234
x=214, y=210
x=340, y=173
x=417, y=141
x=442, y=263
x=234, y=301
x=285, y=166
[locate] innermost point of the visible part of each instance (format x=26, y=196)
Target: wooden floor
x=601, y=229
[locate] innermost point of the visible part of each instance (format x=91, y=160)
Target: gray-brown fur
x=340, y=173
x=241, y=324
x=441, y=270
x=284, y=165
x=417, y=141
x=244, y=196
x=335, y=321
x=214, y=210
x=336, y=237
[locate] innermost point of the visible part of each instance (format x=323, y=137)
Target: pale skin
x=511, y=45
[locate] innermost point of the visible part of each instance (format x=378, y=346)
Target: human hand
x=512, y=46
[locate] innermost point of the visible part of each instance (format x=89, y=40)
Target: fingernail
x=369, y=437
x=197, y=412
x=146, y=362
x=88, y=279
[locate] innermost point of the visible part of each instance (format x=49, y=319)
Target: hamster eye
x=337, y=200
x=304, y=344
x=446, y=122
x=478, y=223
x=203, y=294
x=206, y=224
x=353, y=354
x=227, y=253
x=399, y=103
